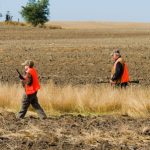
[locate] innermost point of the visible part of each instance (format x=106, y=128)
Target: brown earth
x=75, y=56
x=69, y=132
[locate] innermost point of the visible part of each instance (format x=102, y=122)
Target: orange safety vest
x=125, y=76
x=35, y=86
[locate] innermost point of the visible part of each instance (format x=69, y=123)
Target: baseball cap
x=29, y=63
x=116, y=51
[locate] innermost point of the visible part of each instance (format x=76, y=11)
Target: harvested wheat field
x=74, y=64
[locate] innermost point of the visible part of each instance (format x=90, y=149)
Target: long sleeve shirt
x=118, y=72
x=29, y=80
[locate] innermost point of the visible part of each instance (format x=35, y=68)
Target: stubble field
x=73, y=65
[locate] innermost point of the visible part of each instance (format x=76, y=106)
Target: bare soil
x=74, y=133
x=75, y=56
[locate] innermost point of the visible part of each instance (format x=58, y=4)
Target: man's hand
x=23, y=82
x=112, y=82
x=21, y=77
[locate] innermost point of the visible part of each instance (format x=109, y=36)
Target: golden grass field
x=73, y=61
x=86, y=99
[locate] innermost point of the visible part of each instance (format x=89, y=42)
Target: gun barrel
x=20, y=76
x=132, y=81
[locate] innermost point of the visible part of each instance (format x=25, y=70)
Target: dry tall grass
x=134, y=101
x=21, y=24
x=13, y=23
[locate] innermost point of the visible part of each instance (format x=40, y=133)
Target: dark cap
x=29, y=63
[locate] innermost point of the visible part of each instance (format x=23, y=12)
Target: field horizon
x=98, y=24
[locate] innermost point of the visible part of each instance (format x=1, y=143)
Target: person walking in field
x=31, y=85
x=119, y=74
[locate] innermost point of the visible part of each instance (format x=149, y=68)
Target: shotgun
x=132, y=81
x=20, y=76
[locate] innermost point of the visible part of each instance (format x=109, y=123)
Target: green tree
x=36, y=12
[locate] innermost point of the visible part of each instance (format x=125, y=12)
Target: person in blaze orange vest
x=31, y=86
x=119, y=73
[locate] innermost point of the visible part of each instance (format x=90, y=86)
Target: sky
x=87, y=10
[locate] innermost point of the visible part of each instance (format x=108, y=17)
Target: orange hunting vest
x=125, y=76
x=35, y=86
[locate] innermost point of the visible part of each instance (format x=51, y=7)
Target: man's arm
x=118, y=72
x=29, y=80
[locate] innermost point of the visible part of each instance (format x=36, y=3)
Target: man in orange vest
x=119, y=74
x=31, y=85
